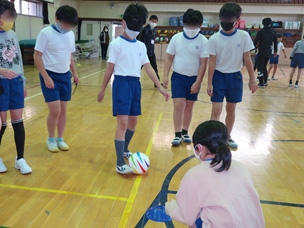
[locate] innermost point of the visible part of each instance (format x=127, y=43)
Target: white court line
x=27, y=98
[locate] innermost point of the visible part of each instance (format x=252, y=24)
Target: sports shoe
x=23, y=166
x=3, y=168
x=268, y=79
x=186, y=138
x=62, y=145
x=52, y=146
x=297, y=86
x=273, y=78
x=232, y=144
x=261, y=85
x=127, y=154
x=125, y=169
x=176, y=141
x=290, y=85
x=266, y=84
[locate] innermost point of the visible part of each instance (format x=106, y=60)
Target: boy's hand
x=100, y=96
x=253, y=86
x=165, y=93
x=49, y=83
x=285, y=56
x=210, y=90
x=9, y=74
x=165, y=82
x=76, y=79
x=195, y=88
x=25, y=92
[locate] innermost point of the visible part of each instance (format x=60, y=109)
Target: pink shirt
x=225, y=199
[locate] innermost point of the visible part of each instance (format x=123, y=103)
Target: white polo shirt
x=280, y=48
x=128, y=56
x=187, y=53
x=229, y=50
x=56, y=48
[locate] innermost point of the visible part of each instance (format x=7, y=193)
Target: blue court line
x=161, y=198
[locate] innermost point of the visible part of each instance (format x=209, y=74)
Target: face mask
x=153, y=25
x=106, y=30
x=191, y=33
x=197, y=155
x=227, y=26
x=61, y=30
x=132, y=34
x=7, y=25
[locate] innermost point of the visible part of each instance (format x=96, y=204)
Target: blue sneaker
x=186, y=138
x=176, y=141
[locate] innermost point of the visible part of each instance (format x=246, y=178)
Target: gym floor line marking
x=27, y=98
x=46, y=190
x=134, y=190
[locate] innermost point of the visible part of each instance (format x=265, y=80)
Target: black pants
x=261, y=65
x=153, y=63
x=104, y=50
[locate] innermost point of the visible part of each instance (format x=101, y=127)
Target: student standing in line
x=297, y=61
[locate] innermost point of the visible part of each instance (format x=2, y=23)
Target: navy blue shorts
x=274, y=60
x=229, y=85
x=126, y=95
x=62, y=87
x=297, y=61
x=13, y=94
x=181, y=86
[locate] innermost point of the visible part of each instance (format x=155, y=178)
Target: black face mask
x=227, y=26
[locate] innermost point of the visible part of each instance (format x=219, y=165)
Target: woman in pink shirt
x=219, y=191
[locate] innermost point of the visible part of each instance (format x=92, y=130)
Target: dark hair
x=267, y=21
x=67, y=14
x=279, y=35
x=8, y=6
x=193, y=17
x=153, y=17
x=230, y=10
x=105, y=28
x=135, y=16
x=213, y=135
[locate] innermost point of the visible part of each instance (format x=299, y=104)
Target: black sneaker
x=261, y=85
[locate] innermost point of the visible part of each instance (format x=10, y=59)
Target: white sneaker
x=274, y=78
x=186, y=138
x=125, y=169
x=127, y=154
x=3, y=168
x=52, y=146
x=297, y=86
x=176, y=141
x=232, y=144
x=62, y=145
x=23, y=166
x=290, y=85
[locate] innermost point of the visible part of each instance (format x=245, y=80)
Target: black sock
x=19, y=135
x=297, y=82
x=184, y=132
x=178, y=134
x=3, y=127
x=290, y=81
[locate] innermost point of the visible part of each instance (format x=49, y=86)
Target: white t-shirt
x=229, y=50
x=187, y=53
x=127, y=56
x=56, y=48
x=280, y=48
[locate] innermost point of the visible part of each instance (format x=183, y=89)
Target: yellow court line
x=96, y=196
x=134, y=190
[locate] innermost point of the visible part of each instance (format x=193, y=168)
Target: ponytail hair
x=213, y=135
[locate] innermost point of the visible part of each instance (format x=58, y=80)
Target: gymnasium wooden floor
x=80, y=188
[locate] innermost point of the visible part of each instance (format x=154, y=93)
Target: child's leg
x=19, y=132
x=275, y=66
x=52, y=120
x=2, y=124
x=216, y=110
x=122, y=124
x=230, y=116
x=132, y=121
x=178, y=114
x=299, y=76
x=291, y=75
x=270, y=68
x=188, y=114
x=62, y=118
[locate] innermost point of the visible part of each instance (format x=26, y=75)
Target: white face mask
x=132, y=34
x=191, y=33
x=153, y=25
x=198, y=156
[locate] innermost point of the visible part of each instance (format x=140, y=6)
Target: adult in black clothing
x=147, y=36
x=265, y=38
x=104, y=39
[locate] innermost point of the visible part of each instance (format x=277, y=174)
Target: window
x=89, y=29
x=32, y=8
